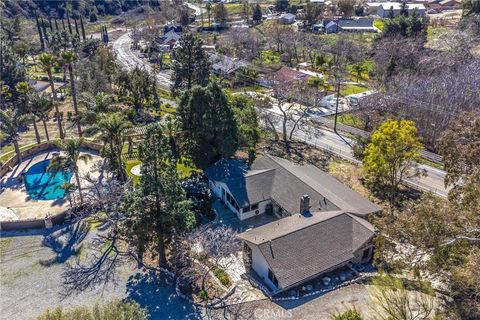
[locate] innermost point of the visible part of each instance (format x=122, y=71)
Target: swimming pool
x=43, y=185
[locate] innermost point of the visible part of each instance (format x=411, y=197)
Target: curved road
x=433, y=180
x=129, y=60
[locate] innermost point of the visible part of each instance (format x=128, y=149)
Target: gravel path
x=31, y=268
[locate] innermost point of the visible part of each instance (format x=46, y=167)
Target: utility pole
x=336, y=106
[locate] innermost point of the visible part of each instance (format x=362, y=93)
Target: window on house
x=247, y=250
x=254, y=206
x=366, y=253
x=246, y=209
x=272, y=278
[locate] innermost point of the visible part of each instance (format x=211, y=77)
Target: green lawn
x=350, y=120
x=435, y=32
x=270, y=57
x=380, y=24
x=185, y=169
x=352, y=89
x=129, y=164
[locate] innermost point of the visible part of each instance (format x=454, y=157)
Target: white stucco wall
x=261, y=210
x=260, y=266
x=216, y=188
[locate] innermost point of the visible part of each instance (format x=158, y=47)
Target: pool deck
x=14, y=196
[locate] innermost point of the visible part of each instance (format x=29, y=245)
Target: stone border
x=46, y=222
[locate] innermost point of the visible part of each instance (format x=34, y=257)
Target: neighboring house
x=225, y=66
x=287, y=18
x=385, y=8
x=43, y=87
x=299, y=248
x=350, y=25
x=168, y=39
x=275, y=186
x=289, y=75
x=450, y=4
x=371, y=8
x=321, y=225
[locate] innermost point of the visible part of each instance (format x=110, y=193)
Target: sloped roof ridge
x=342, y=204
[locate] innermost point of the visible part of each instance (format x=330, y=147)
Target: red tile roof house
x=288, y=75
x=322, y=224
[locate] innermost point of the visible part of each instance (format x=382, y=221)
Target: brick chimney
x=304, y=204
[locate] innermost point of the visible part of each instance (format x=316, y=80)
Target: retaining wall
x=37, y=223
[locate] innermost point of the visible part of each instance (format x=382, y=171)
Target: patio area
x=14, y=197
x=227, y=217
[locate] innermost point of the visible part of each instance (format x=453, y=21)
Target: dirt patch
x=298, y=152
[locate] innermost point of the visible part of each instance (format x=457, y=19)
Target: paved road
x=198, y=10
x=433, y=181
x=316, y=307
x=129, y=60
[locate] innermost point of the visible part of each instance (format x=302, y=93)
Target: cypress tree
x=63, y=24
x=56, y=24
x=69, y=25
x=106, y=35
x=83, y=28
x=103, y=35
x=50, y=24
x=76, y=27
x=40, y=35
x=44, y=29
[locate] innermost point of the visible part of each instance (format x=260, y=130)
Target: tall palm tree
x=209, y=9
x=68, y=58
x=47, y=63
x=113, y=128
x=358, y=69
x=25, y=90
x=41, y=106
x=171, y=126
x=11, y=121
x=68, y=159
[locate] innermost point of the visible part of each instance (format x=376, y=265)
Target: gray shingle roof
x=294, y=180
x=299, y=247
x=285, y=183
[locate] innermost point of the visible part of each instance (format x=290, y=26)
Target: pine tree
x=208, y=125
x=158, y=208
x=191, y=65
x=257, y=14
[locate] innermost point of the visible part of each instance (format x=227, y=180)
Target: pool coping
x=49, y=221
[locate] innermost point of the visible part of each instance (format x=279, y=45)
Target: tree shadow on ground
x=154, y=292
x=65, y=242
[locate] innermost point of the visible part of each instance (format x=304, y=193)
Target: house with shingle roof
x=275, y=186
x=293, y=250
x=321, y=225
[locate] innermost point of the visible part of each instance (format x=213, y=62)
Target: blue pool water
x=43, y=185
